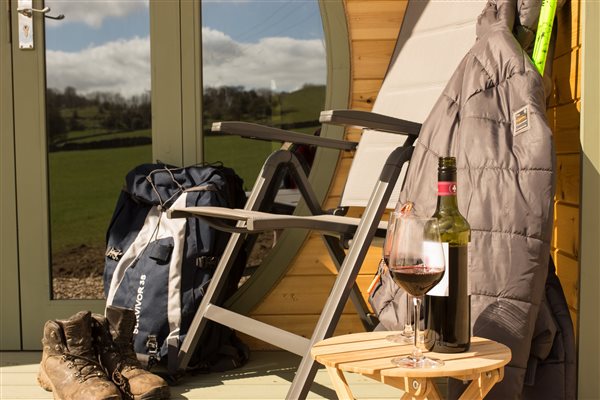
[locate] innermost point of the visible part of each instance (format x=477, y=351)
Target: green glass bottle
x=448, y=305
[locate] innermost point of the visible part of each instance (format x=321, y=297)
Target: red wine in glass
x=416, y=280
x=401, y=211
x=417, y=264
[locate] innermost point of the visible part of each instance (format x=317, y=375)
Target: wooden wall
x=563, y=115
x=295, y=304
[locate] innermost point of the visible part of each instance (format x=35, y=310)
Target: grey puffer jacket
x=492, y=118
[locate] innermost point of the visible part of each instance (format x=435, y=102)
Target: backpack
x=160, y=267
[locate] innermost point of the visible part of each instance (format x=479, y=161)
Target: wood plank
x=565, y=121
x=566, y=229
x=568, y=178
x=315, y=260
x=567, y=270
x=373, y=356
x=568, y=35
x=565, y=78
x=375, y=19
x=370, y=58
x=270, y=371
x=360, y=106
x=297, y=295
x=341, y=176
x=353, y=134
x=333, y=201
x=302, y=325
x=364, y=92
x=302, y=294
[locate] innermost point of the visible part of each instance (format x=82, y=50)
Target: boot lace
x=127, y=358
x=121, y=381
x=87, y=368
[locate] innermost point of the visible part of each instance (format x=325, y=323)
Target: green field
x=85, y=184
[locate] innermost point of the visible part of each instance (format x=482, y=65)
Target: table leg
x=420, y=388
x=481, y=385
x=339, y=383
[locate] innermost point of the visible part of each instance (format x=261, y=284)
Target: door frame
x=31, y=169
x=10, y=326
x=589, y=296
x=25, y=253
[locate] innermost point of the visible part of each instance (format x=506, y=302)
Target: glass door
x=98, y=126
x=82, y=120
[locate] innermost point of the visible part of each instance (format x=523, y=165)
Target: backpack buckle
x=152, y=348
x=113, y=253
x=207, y=262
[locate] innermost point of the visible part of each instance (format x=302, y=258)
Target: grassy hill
x=85, y=184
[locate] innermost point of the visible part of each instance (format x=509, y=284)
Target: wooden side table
x=369, y=354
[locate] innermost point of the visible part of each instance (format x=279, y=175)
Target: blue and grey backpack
x=160, y=267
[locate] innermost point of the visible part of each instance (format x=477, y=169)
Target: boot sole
x=44, y=381
x=47, y=385
x=159, y=393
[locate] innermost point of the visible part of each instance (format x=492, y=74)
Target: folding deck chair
x=413, y=82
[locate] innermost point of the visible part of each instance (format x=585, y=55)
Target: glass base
x=402, y=337
x=413, y=362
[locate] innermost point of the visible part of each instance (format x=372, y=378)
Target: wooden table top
x=370, y=354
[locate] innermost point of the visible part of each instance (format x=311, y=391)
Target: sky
x=103, y=45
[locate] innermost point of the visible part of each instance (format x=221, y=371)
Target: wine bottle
x=448, y=304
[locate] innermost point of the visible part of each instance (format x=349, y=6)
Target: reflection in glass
x=263, y=62
x=98, y=128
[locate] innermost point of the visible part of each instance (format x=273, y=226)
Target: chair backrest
x=434, y=37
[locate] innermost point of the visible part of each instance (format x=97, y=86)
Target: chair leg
x=341, y=288
x=349, y=269
x=337, y=254
x=261, y=194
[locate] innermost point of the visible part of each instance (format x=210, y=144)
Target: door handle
x=25, y=12
x=28, y=12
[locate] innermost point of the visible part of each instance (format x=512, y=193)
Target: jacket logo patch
x=521, y=120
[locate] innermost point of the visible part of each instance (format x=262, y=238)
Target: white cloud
x=93, y=12
x=288, y=62
x=120, y=66
x=124, y=66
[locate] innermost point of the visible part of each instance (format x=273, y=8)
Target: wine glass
x=417, y=264
x=405, y=336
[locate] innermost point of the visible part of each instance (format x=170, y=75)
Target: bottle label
x=446, y=188
x=441, y=289
x=456, y=263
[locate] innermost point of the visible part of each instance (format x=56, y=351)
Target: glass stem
x=408, y=329
x=417, y=354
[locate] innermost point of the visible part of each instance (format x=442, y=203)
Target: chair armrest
x=366, y=119
x=261, y=132
x=255, y=221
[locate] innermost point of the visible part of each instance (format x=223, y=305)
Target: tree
x=75, y=123
x=56, y=126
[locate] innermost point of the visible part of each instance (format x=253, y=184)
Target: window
x=263, y=62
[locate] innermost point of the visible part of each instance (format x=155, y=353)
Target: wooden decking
x=266, y=376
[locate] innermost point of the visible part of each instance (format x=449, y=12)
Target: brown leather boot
x=69, y=366
x=114, y=340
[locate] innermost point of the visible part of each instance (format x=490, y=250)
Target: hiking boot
x=114, y=341
x=69, y=366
